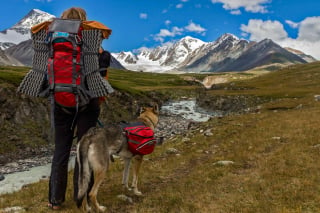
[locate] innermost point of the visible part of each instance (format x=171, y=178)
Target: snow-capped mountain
x=227, y=53
x=182, y=52
x=21, y=31
x=162, y=58
x=212, y=54
x=189, y=54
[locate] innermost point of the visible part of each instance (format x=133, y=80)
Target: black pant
x=86, y=118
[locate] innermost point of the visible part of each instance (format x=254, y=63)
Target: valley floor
x=259, y=162
x=266, y=160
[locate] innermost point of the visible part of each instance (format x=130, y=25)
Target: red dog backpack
x=141, y=139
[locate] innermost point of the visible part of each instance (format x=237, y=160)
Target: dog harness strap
x=122, y=144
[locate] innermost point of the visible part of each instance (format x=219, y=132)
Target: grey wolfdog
x=94, y=152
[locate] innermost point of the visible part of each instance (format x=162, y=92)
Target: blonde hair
x=74, y=13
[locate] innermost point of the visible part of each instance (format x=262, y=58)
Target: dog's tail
x=84, y=167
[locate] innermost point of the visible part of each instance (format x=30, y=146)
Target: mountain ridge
x=227, y=53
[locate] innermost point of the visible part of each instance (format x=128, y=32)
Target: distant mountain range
x=227, y=53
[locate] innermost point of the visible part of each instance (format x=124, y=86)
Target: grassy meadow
x=272, y=155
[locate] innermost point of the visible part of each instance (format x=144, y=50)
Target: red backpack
x=65, y=74
x=141, y=139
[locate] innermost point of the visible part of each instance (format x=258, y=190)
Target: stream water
x=15, y=181
x=188, y=110
x=183, y=109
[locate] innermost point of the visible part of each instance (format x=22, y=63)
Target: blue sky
x=149, y=23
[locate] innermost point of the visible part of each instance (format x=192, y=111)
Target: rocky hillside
x=6, y=59
x=24, y=123
x=22, y=52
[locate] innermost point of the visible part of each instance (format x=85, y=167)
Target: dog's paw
x=86, y=209
x=137, y=192
x=102, y=208
x=127, y=188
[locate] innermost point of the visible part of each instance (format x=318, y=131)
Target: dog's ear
x=156, y=108
x=142, y=109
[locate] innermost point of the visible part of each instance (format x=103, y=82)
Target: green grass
x=125, y=81
x=295, y=81
x=275, y=153
x=12, y=75
x=139, y=83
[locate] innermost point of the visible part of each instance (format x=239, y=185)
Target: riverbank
x=176, y=118
x=168, y=126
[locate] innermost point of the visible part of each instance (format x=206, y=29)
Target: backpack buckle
x=74, y=89
x=78, y=40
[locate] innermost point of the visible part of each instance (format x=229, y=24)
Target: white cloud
x=165, y=11
x=235, y=12
x=167, y=33
x=254, y=6
x=178, y=6
x=309, y=29
x=308, y=34
x=260, y=30
x=177, y=31
x=292, y=24
x=184, y=0
x=192, y=27
x=143, y=15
